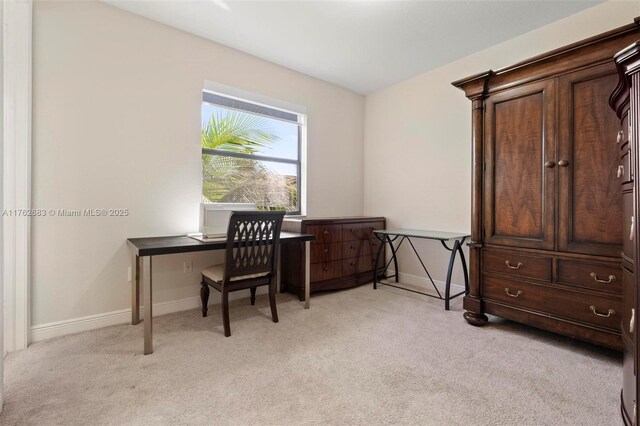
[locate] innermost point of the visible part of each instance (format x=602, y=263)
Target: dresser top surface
x=338, y=219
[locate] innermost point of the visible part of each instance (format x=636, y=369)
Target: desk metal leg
x=393, y=255
x=375, y=266
x=464, y=267
x=452, y=260
x=146, y=278
x=307, y=273
x=135, y=289
x=457, y=248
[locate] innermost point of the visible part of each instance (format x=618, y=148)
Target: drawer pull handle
x=607, y=315
x=326, y=232
x=326, y=251
x=632, y=226
x=510, y=266
x=611, y=279
x=620, y=136
x=620, y=171
x=632, y=321
x=325, y=268
x=518, y=293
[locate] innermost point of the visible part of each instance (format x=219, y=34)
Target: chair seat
x=216, y=273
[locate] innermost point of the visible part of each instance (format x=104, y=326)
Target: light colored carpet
x=356, y=357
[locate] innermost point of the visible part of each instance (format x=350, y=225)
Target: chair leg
x=225, y=312
x=204, y=296
x=272, y=302
x=253, y=295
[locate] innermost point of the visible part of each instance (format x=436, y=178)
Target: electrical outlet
x=129, y=274
x=188, y=266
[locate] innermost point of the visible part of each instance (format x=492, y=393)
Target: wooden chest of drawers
x=342, y=256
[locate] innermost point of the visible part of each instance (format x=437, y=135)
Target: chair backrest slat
x=252, y=241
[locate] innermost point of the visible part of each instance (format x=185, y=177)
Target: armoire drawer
x=326, y=252
x=595, y=276
x=597, y=310
x=517, y=264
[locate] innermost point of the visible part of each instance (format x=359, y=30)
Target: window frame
x=267, y=111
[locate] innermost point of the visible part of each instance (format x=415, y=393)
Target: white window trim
x=269, y=102
x=224, y=90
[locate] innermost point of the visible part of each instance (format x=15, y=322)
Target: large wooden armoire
x=625, y=101
x=546, y=203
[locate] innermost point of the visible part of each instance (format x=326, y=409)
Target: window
x=251, y=153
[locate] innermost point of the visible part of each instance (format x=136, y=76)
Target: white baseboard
x=91, y=322
x=423, y=282
x=123, y=316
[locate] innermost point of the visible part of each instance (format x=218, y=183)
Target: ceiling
x=361, y=45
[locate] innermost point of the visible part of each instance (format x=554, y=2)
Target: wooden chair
x=251, y=255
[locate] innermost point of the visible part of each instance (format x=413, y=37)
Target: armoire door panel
x=519, y=189
x=590, y=201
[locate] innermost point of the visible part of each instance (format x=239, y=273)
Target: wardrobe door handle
x=632, y=321
x=620, y=171
x=595, y=278
x=517, y=294
x=563, y=163
x=510, y=266
x=550, y=164
x=607, y=315
x=620, y=136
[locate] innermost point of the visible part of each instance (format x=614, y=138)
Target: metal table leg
x=464, y=267
x=375, y=266
x=145, y=277
x=135, y=289
x=447, y=287
x=393, y=255
x=307, y=273
x=457, y=248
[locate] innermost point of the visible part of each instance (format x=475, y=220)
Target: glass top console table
x=390, y=236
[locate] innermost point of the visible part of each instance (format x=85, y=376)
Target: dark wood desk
x=143, y=250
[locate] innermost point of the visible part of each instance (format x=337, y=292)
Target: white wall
x=418, y=134
x=116, y=124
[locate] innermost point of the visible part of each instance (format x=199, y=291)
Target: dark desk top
x=153, y=246
x=419, y=233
